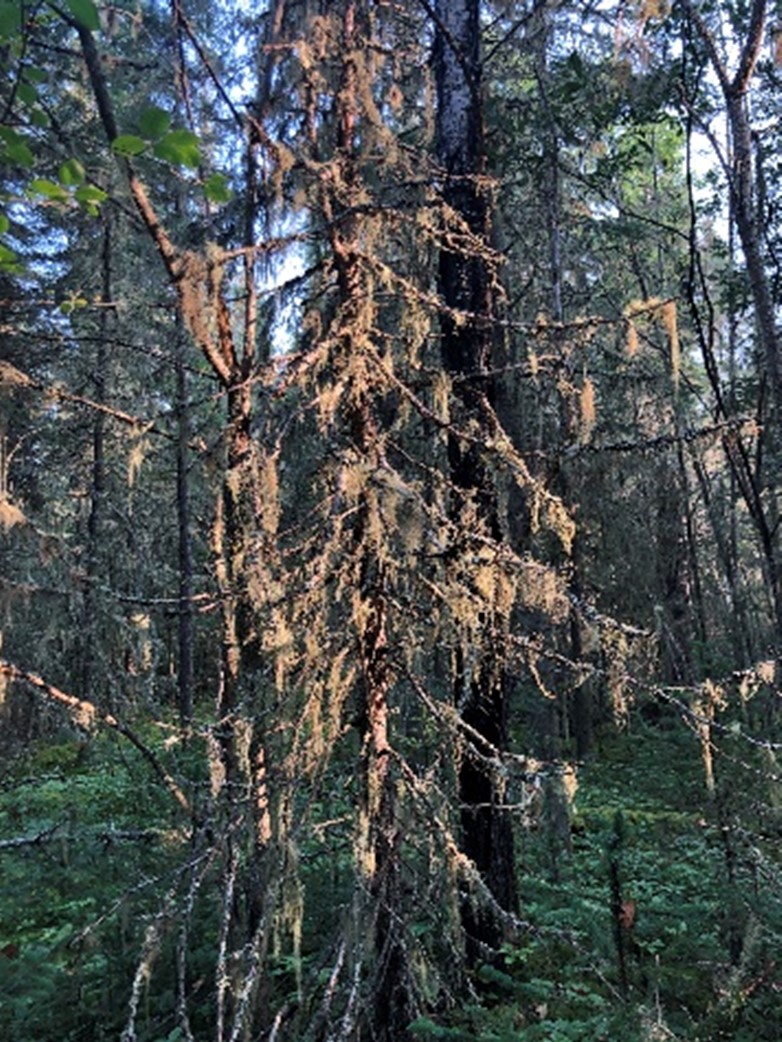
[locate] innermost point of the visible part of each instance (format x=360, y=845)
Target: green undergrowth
x=91, y=842
x=87, y=842
x=699, y=902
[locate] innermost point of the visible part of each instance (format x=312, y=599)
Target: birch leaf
x=86, y=14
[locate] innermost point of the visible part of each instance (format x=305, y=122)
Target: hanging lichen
x=668, y=319
x=705, y=705
x=662, y=312
x=615, y=648
x=587, y=409
x=10, y=513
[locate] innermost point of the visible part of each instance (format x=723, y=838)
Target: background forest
x=390, y=578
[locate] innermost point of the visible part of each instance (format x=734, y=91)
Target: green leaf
x=216, y=188
x=153, y=123
x=179, y=147
x=5, y=224
x=50, y=189
x=72, y=304
x=90, y=198
x=86, y=13
x=34, y=75
x=17, y=152
x=128, y=145
x=38, y=118
x=71, y=173
x=8, y=258
x=10, y=19
x=26, y=93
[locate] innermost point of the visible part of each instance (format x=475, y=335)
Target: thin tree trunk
x=185, y=614
x=197, y=280
x=95, y=520
x=744, y=213
x=671, y=565
x=229, y=546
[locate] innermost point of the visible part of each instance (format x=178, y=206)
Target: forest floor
x=660, y=922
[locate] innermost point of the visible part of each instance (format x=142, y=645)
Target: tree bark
x=185, y=613
x=466, y=290
x=389, y=1009
x=95, y=521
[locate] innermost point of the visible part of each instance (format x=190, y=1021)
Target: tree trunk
x=89, y=640
x=185, y=613
x=465, y=285
x=675, y=610
x=744, y=213
x=389, y=1008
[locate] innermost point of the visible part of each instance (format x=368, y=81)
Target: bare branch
x=86, y=715
x=751, y=50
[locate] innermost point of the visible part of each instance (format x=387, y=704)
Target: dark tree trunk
x=185, y=616
x=465, y=286
x=675, y=616
x=95, y=521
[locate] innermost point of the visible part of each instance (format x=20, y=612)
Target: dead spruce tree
x=357, y=759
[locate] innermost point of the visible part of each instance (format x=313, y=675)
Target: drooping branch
x=86, y=715
x=195, y=278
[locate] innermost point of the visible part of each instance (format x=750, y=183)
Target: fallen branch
x=104, y=836
x=31, y=841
